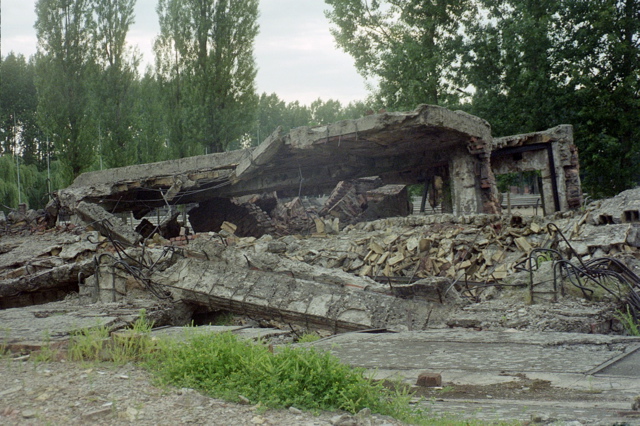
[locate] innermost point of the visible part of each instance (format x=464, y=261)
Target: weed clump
x=225, y=367
x=628, y=321
x=99, y=344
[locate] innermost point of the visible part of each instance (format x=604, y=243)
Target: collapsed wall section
x=552, y=153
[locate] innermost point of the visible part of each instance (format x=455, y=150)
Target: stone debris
x=399, y=273
x=429, y=380
x=262, y=239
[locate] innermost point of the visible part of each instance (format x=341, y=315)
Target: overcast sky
x=295, y=53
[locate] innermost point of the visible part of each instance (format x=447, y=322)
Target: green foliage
x=629, y=323
x=88, y=343
x=113, y=88
x=413, y=48
x=204, y=58
x=63, y=76
x=33, y=183
x=224, y=366
x=94, y=344
x=152, y=127
x=535, y=65
x=308, y=338
x=512, y=63
x=45, y=353
x=524, y=66
x=5, y=332
x=8, y=182
x=18, y=104
x=602, y=55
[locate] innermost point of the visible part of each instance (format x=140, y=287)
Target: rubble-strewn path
x=103, y=394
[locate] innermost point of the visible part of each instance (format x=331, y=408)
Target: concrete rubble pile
x=354, y=260
x=37, y=266
x=350, y=202
x=330, y=281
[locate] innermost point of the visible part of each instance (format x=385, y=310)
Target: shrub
x=223, y=366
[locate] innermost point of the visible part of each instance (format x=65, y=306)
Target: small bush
x=223, y=366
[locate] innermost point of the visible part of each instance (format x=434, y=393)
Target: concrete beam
x=107, y=223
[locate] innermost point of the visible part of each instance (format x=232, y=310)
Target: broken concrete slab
x=289, y=299
x=399, y=147
x=140, y=188
x=610, y=235
x=623, y=208
x=268, y=286
x=31, y=328
x=43, y=286
x=486, y=362
x=455, y=351
x=108, y=224
x=46, y=267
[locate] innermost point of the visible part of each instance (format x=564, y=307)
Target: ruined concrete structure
x=553, y=153
x=429, y=144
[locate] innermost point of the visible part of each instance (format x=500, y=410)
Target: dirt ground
x=63, y=393
x=57, y=393
x=522, y=389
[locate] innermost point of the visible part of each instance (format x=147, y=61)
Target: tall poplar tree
x=204, y=57
x=63, y=62
x=513, y=63
x=113, y=87
x=18, y=103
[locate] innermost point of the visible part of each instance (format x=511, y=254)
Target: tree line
x=81, y=104
x=523, y=65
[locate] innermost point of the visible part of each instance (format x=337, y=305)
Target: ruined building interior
x=334, y=180
x=316, y=229
x=311, y=218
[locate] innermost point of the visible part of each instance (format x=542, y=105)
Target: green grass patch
x=99, y=344
x=628, y=322
x=226, y=367
x=223, y=366
x=308, y=338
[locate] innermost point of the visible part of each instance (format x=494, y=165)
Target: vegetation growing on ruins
x=80, y=104
x=522, y=65
x=627, y=320
x=224, y=366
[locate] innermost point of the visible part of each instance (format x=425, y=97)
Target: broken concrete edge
x=424, y=115
x=53, y=278
x=199, y=163
x=259, y=156
x=561, y=133
x=108, y=224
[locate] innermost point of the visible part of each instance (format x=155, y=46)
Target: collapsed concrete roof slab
x=400, y=147
x=396, y=146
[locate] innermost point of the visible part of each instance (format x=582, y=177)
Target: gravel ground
x=63, y=393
